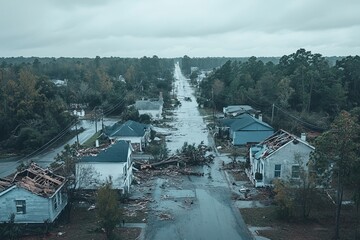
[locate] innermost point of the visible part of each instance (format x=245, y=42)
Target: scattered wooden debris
x=189, y=172
x=165, y=216
x=189, y=155
x=35, y=179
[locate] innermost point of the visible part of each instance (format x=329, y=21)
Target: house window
x=55, y=204
x=20, y=206
x=277, y=172
x=295, y=171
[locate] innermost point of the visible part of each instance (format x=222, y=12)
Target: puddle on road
x=210, y=217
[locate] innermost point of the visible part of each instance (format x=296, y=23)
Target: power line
x=287, y=113
x=121, y=101
x=299, y=119
x=50, y=142
x=45, y=146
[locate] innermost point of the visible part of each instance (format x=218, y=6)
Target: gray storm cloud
x=135, y=28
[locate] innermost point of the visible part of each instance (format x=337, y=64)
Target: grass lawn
x=84, y=226
x=319, y=226
x=91, y=141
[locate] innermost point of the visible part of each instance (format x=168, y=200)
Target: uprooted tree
x=189, y=154
x=193, y=155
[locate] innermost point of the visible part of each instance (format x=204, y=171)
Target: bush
x=258, y=176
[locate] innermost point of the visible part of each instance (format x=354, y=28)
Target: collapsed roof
x=42, y=182
x=276, y=141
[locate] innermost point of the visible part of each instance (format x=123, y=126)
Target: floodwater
x=188, y=125
x=192, y=207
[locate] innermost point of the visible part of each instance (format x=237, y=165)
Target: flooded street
x=193, y=207
x=188, y=125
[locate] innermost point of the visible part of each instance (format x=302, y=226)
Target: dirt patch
x=238, y=175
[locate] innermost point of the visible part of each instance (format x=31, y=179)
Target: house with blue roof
x=246, y=129
x=280, y=156
x=137, y=133
x=115, y=162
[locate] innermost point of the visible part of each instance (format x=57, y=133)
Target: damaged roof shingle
x=42, y=182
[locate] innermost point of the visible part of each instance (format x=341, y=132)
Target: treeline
x=303, y=86
x=210, y=63
x=34, y=107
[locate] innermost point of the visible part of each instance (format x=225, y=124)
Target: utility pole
x=95, y=119
x=102, y=120
x=272, y=113
x=77, y=133
x=213, y=103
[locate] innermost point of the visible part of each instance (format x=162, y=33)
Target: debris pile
x=35, y=179
x=93, y=151
x=188, y=155
x=165, y=216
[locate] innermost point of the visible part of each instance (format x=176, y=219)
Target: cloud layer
x=168, y=28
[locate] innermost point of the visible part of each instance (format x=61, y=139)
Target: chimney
x=303, y=137
x=260, y=117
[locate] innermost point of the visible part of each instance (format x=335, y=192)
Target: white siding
x=102, y=171
x=154, y=114
x=38, y=209
x=286, y=157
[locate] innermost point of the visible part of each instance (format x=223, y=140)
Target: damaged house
x=115, y=162
x=280, y=156
x=34, y=195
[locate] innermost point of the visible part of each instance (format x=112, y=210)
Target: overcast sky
x=168, y=28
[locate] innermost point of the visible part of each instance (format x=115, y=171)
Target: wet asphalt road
x=45, y=158
x=198, y=207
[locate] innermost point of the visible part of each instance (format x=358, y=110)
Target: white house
x=234, y=110
x=114, y=162
x=281, y=156
x=79, y=113
x=59, y=83
x=137, y=133
x=152, y=108
x=33, y=195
